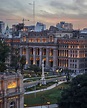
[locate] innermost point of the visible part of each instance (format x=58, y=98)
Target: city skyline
x=49, y=12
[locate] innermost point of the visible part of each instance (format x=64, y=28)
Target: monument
x=11, y=90
x=43, y=80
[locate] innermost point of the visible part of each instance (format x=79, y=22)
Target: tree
x=22, y=62
x=15, y=62
x=4, y=52
x=35, y=68
x=15, y=59
x=67, y=73
x=76, y=95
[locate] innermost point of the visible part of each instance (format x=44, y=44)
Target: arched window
x=12, y=104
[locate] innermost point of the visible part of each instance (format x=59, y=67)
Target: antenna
x=33, y=15
x=34, y=12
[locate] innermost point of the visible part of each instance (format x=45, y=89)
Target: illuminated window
x=12, y=84
x=51, y=52
x=38, y=40
x=31, y=40
x=51, y=39
x=37, y=51
x=44, y=40
x=31, y=51
x=24, y=39
x=44, y=51
x=24, y=51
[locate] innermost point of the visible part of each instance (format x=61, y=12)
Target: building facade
x=64, y=26
x=58, y=49
x=73, y=54
x=40, y=27
x=11, y=90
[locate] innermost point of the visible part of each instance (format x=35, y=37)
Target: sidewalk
x=48, y=88
x=45, y=106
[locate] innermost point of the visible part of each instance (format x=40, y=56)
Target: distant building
x=11, y=90
x=84, y=31
x=30, y=28
x=40, y=27
x=64, y=26
x=2, y=27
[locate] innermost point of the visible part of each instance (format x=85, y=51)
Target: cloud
x=46, y=11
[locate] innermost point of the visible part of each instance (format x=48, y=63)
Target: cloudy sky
x=49, y=12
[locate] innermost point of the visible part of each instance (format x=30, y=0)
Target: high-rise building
x=40, y=27
x=64, y=26
x=2, y=27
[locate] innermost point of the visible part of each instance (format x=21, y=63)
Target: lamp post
x=57, y=75
x=35, y=90
x=58, y=71
x=48, y=103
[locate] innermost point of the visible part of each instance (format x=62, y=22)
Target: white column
x=34, y=56
x=20, y=50
x=17, y=102
x=27, y=55
x=5, y=103
x=55, y=61
x=21, y=101
x=40, y=55
x=47, y=57
x=43, y=76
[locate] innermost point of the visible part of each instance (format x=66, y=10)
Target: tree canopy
x=76, y=95
x=35, y=68
x=4, y=51
x=22, y=62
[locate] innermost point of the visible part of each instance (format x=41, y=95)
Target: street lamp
x=57, y=75
x=48, y=103
x=35, y=89
x=58, y=71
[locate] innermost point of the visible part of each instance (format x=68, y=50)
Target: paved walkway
x=45, y=106
x=48, y=88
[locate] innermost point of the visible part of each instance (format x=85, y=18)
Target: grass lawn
x=45, y=96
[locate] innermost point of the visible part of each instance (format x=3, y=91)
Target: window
x=75, y=66
x=44, y=40
x=24, y=39
x=51, y=39
x=12, y=104
x=70, y=60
